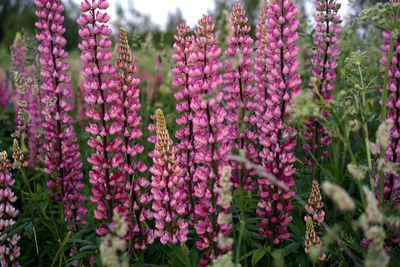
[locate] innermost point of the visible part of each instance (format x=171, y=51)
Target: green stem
x=346, y=143
x=383, y=115
x=364, y=123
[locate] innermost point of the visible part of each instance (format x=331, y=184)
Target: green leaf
x=194, y=256
x=295, y=230
x=258, y=254
x=29, y=230
x=292, y=247
x=43, y=205
x=180, y=258
x=88, y=247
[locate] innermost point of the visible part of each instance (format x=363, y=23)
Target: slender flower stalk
x=168, y=188
x=186, y=146
x=278, y=137
x=239, y=97
x=126, y=110
x=109, y=183
x=62, y=158
x=9, y=250
x=323, y=61
x=210, y=134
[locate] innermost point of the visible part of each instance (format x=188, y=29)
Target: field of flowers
x=272, y=146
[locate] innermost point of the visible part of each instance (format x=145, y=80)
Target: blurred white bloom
x=357, y=172
x=383, y=133
x=339, y=196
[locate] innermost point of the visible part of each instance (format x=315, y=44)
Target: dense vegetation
x=256, y=138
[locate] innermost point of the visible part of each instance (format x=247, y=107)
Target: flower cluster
x=185, y=147
x=277, y=137
x=126, y=111
x=109, y=191
x=261, y=81
x=312, y=240
x=168, y=188
x=62, y=157
x=9, y=250
x=315, y=204
x=27, y=102
x=239, y=95
x=392, y=144
x=4, y=94
x=326, y=40
x=210, y=133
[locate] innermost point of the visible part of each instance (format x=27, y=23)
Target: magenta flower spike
x=186, y=146
x=261, y=81
x=9, y=251
x=4, y=91
x=168, y=188
x=326, y=40
x=104, y=111
x=127, y=113
x=239, y=96
x=277, y=136
x=62, y=157
x=392, y=181
x=210, y=133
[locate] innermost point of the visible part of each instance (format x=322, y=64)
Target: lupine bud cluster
x=392, y=180
x=312, y=240
x=239, y=94
x=277, y=136
x=326, y=40
x=109, y=191
x=9, y=250
x=62, y=158
x=210, y=133
x=126, y=111
x=186, y=147
x=315, y=204
x=168, y=188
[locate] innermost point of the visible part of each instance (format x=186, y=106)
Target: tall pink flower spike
x=323, y=61
x=62, y=157
x=239, y=97
x=168, y=188
x=261, y=81
x=126, y=110
x=9, y=250
x=186, y=146
x=277, y=136
x=109, y=183
x=210, y=135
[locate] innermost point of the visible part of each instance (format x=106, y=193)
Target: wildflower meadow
x=266, y=135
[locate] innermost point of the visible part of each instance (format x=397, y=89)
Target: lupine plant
x=260, y=152
x=277, y=136
x=62, y=157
